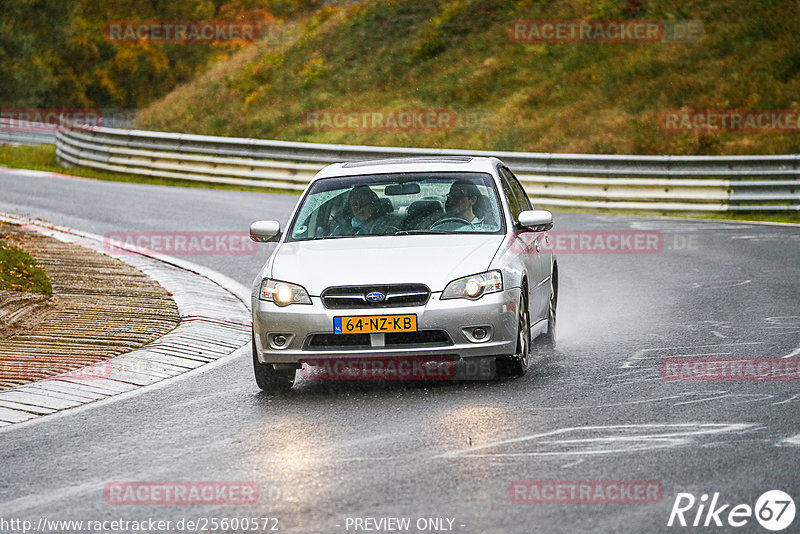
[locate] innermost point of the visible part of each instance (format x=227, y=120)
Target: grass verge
x=19, y=271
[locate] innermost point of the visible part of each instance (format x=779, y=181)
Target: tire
x=517, y=363
x=549, y=339
x=269, y=379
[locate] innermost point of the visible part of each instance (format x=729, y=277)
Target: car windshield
x=398, y=204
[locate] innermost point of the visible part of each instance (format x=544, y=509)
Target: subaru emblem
x=376, y=296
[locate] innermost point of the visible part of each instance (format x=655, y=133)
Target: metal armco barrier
x=34, y=133
x=641, y=183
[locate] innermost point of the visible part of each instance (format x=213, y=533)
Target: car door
x=536, y=255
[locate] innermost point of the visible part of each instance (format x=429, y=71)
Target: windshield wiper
x=317, y=238
x=419, y=232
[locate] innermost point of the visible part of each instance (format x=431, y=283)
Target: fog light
x=279, y=341
x=479, y=333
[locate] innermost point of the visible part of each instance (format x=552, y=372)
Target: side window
x=519, y=192
x=508, y=180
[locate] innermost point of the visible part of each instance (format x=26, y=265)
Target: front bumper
x=495, y=312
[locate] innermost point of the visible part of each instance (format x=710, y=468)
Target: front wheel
x=550, y=337
x=517, y=363
x=268, y=378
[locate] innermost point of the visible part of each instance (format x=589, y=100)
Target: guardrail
x=642, y=183
x=34, y=133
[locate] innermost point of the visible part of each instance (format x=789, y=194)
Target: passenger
x=369, y=215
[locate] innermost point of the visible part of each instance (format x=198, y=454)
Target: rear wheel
x=268, y=378
x=517, y=363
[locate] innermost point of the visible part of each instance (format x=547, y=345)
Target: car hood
x=433, y=260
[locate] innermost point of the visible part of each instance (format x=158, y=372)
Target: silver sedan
x=408, y=262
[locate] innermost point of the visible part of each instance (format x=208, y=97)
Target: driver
x=464, y=201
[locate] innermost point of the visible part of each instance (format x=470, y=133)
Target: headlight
x=474, y=287
x=283, y=293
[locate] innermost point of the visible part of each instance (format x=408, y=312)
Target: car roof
x=411, y=164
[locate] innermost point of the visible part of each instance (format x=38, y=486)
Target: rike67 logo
x=774, y=510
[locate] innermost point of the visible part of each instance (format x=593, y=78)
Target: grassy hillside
x=55, y=53
x=551, y=97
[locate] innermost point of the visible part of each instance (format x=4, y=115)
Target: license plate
x=373, y=324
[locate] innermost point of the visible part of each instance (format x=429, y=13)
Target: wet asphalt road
x=596, y=410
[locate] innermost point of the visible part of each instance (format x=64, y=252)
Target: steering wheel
x=440, y=222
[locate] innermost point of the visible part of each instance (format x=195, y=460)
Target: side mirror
x=265, y=231
x=536, y=220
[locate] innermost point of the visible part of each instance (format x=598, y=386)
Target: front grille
x=423, y=337
x=420, y=338
x=355, y=297
x=335, y=341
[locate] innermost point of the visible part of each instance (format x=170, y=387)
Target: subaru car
x=424, y=258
